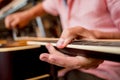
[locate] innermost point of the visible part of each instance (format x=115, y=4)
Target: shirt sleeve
x=114, y=9
x=50, y=6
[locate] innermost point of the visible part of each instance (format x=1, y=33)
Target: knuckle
x=12, y=24
x=52, y=60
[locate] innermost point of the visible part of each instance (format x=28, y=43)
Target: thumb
x=63, y=42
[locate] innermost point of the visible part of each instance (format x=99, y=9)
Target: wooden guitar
x=101, y=49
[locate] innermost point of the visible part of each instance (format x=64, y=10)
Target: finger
x=50, y=48
x=44, y=57
x=64, y=42
x=67, y=41
x=60, y=59
x=50, y=59
x=66, y=37
x=57, y=60
x=60, y=43
x=14, y=23
x=55, y=56
x=53, y=51
x=8, y=21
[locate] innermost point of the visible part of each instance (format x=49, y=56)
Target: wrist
x=29, y=14
x=96, y=34
x=106, y=35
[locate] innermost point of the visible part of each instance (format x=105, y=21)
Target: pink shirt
x=103, y=15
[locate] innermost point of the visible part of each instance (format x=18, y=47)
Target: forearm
x=107, y=35
x=38, y=10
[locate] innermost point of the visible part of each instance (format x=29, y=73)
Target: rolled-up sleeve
x=114, y=9
x=50, y=6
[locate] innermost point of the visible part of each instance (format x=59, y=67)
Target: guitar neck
x=101, y=49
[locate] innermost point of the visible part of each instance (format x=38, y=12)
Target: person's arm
x=20, y=19
x=106, y=35
x=38, y=10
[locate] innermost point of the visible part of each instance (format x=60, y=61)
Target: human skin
x=20, y=19
x=60, y=59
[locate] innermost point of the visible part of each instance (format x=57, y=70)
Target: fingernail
x=60, y=42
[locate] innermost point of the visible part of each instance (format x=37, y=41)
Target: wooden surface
x=6, y=46
x=35, y=39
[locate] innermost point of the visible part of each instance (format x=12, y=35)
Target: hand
x=68, y=35
x=60, y=59
x=18, y=20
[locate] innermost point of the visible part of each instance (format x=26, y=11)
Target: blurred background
x=25, y=64
x=50, y=24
